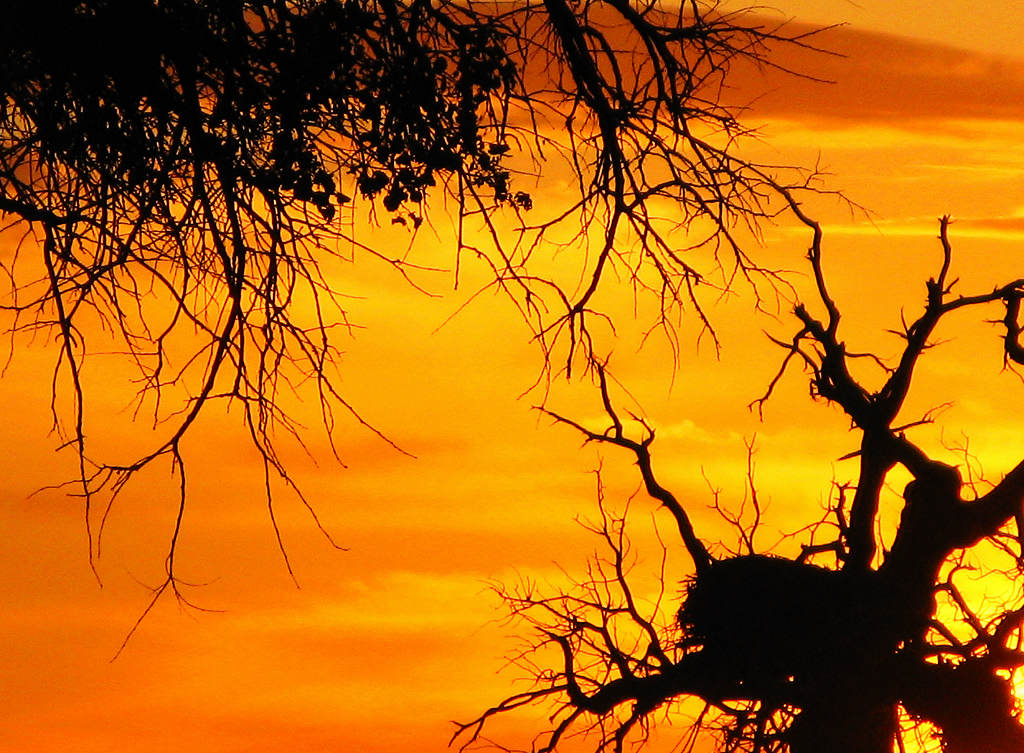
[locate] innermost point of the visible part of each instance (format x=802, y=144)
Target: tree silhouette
x=855, y=644
x=177, y=173
x=177, y=170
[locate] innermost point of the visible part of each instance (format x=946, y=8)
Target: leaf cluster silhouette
x=180, y=174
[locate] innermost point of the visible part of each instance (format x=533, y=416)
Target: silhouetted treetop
x=281, y=97
x=179, y=172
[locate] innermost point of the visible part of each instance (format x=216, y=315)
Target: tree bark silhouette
x=843, y=649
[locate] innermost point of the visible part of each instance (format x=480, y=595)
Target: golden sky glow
x=387, y=642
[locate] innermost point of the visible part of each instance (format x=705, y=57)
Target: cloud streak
x=883, y=79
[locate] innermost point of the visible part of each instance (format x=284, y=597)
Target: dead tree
x=844, y=648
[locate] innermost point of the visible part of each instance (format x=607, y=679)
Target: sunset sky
x=387, y=642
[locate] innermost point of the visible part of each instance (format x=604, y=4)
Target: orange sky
x=386, y=643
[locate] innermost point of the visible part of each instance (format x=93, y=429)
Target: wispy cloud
x=992, y=228
x=886, y=79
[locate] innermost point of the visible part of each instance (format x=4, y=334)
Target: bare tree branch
x=793, y=656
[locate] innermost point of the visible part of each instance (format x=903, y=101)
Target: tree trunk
x=850, y=719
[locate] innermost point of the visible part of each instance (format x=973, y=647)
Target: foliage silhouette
x=856, y=644
x=177, y=173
